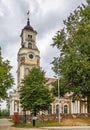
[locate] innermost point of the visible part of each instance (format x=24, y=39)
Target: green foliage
x=6, y=78
x=4, y=112
x=62, y=85
x=34, y=93
x=73, y=41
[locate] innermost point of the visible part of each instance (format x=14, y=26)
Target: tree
x=6, y=78
x=34, y=93
x=74, y=42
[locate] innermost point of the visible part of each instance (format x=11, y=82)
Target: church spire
x=28, y=27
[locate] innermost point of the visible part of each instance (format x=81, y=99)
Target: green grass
x=63, y=122
x=38, y=124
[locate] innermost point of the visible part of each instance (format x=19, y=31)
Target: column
x=11, y=107
x=75, y=107
x=72, y=108
x=78, y=106
x=21, y=72
x=83, y=108
x=52, y=108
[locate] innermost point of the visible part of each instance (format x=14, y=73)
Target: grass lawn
x=63, y=122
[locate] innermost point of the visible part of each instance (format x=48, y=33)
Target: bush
x=4, y=112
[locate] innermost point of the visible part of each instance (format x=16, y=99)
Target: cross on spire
x=28, y=14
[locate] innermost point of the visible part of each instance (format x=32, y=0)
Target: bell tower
x=28, y=54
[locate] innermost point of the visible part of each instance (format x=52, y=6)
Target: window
x=30, y=45
x=50, y=109
x=31, y=56
x=57, y=109
x=26, y=71
x=37, y=62
x=30, y=36
x=65, y=109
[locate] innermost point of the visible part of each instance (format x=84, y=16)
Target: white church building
x=29, y=56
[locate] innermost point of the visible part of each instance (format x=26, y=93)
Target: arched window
x=26, y=71
x=30, y=45
x=65, y=109
x=57, y=109
x=50, y=109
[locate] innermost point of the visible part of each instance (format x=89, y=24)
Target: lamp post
x=61, y=56
x=58, y=94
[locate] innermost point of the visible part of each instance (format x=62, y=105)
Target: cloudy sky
x=46, y=17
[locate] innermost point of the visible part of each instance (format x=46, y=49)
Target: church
x=28, y=57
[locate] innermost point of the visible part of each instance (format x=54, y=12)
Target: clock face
x=31, y=56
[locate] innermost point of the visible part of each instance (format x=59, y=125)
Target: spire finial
x=28, y=13
x=28, y=21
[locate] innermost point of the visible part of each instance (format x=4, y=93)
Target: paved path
x=5, y=124
x=69, y=128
